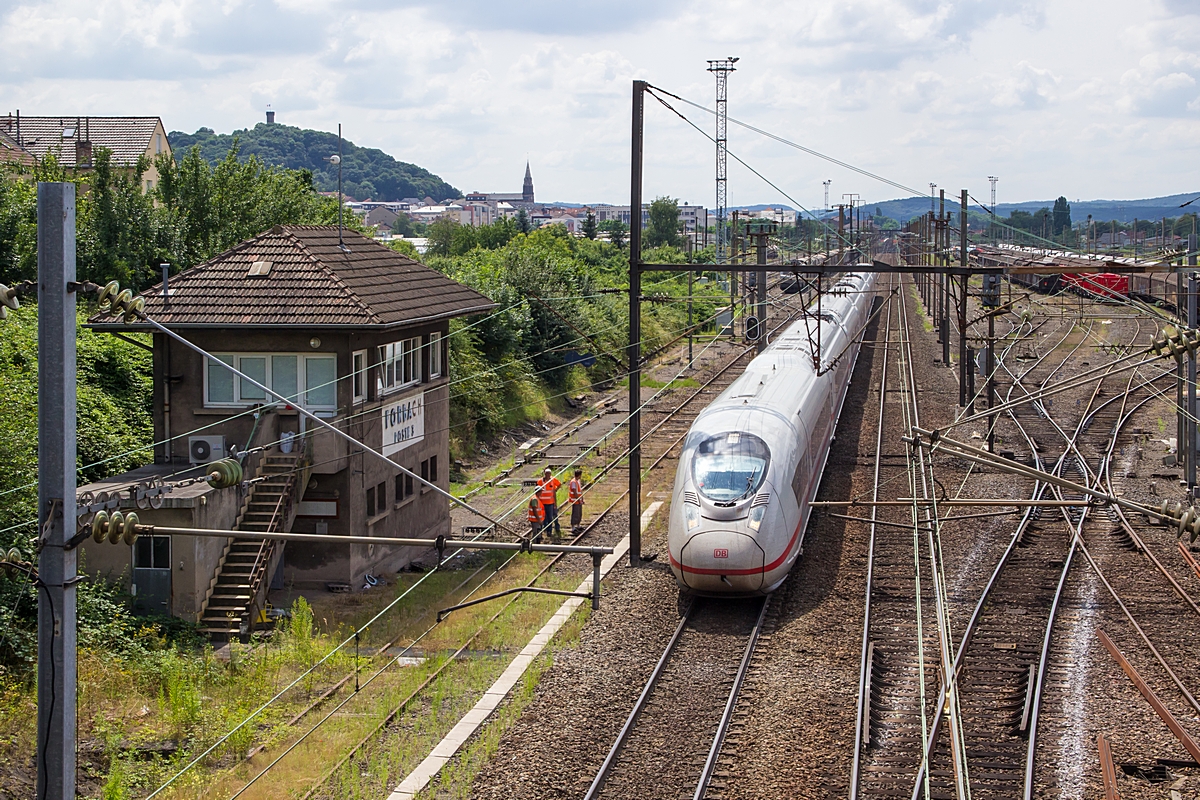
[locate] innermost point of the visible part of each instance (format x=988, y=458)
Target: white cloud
x=948, y=91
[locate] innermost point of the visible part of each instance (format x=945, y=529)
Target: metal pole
x=991, y=379
x=761, y=289
x=634, y=352
x=596, y=558
x=691, y=338
x=340, y=203
x=1190, y=417
x=56, y=492
x=964, y=370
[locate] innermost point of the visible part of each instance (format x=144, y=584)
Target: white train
x=752, y=461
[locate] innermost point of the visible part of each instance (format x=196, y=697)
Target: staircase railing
x=281, y=519
x=251, y=457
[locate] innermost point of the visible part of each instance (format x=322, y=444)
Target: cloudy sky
x=1088, y=98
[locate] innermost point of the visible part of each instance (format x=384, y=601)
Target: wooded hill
x=367, y=172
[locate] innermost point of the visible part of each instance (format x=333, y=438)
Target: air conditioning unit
x=205, y=449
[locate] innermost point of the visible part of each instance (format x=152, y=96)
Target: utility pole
x=634, y=352
x=964, y=367
x=56, y=492
x=944, y=281
x=721, y=69
x=992, y=179
x=1191, y=425
x=761, y=232
x=827, y=194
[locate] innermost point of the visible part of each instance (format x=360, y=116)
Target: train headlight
x=756, y=517
x=691, y=515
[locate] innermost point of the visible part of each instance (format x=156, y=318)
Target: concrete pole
x=56, y=492
x=634, y=351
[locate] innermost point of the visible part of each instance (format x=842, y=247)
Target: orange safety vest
x=535, y=512
x=575, y=491
x=547, y=493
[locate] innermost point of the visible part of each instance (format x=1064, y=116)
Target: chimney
x=270, y=115
x=83, y=153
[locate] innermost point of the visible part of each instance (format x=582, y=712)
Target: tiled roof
x=11, y=152
x=309, y=282
x=126, y=137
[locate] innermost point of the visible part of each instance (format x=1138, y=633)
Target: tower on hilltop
x=527, y=187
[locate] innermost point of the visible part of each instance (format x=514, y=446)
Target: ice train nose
x=722, y=561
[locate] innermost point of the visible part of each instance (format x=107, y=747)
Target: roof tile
x=311, y=282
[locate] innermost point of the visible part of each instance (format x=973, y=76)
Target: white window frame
x=402, y=357
x=301, y=392
x=436, y=354
x=358, y=375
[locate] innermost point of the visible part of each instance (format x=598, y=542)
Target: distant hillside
x=366, y=171
x=1103, y=210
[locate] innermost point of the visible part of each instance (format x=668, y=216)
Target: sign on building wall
x=403, y=423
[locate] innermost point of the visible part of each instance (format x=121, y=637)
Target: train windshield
x=730, y=466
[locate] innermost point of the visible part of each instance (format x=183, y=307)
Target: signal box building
x=353, y=332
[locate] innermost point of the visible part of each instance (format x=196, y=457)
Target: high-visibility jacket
x=547, y=493
x=536, y=512
x=575, y=491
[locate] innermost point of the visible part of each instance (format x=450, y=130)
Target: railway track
x=662, y=437
x=986, y=744
x=669, y=744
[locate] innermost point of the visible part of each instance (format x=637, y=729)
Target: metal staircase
x=243, y=573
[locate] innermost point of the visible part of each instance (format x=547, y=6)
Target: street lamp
x=336, y=160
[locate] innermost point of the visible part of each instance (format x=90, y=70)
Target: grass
x=129, y=707
x=458, y=776
x=675, y=383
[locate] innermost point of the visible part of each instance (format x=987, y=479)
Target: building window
x=404, y=487
x=281, y=372
x=425, y=470
x=358, y=377
x=377, y=500
x=152, y=552
x=320, y=382
x=433, y=475
x=435, y=355
x=399, y=365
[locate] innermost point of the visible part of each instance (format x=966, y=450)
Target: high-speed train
x=752, y=461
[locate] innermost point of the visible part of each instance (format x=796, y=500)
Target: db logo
x=720, y=552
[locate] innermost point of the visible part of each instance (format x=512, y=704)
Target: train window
x=730, y=466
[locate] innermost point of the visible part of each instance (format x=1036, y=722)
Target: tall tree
x=523, y=223
x=663, y=229
x=616, y=231
x=1062, y=215
x=589, y=225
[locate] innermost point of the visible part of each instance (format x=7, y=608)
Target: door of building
x=152, y=575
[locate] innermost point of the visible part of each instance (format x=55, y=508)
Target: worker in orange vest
x=575, y=498
x=547, y=495
x=535, y=516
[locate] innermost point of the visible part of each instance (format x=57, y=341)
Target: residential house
x=341, y=326
x=73, y=140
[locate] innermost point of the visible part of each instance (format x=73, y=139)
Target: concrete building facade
x=353, y=332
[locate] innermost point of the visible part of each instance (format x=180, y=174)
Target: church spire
x=527, y=188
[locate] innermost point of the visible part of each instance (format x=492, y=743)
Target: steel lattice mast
x=721, y=69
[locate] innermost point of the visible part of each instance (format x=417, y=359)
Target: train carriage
x=752, y=461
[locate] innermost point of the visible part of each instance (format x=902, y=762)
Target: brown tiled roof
x=126, y=137
x=12, y=153
x=310, y=282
